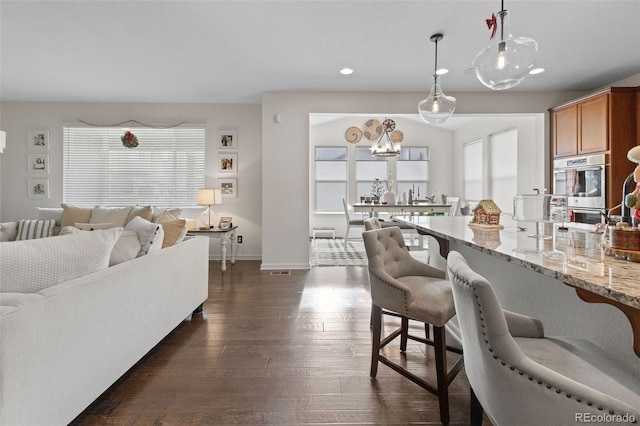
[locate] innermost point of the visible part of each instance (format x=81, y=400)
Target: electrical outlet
x=239, y=239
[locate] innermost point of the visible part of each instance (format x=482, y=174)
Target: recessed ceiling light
x=537, y=71
x=442, y=71
x=346, y=71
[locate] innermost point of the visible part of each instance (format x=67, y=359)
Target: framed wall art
x=227, y=140
x=229, y=188
x=38, y=163
x=227, y=163
x=225, y=222
x=38, y=188
x=38, y=139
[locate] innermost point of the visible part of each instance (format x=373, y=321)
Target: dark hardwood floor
x=276, y=349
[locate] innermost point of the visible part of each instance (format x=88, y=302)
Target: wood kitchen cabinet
x=602, y=122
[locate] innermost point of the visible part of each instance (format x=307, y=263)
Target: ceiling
x=233, y=51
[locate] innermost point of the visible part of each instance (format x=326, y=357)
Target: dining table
x=426, y=209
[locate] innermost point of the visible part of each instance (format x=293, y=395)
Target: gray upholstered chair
x=411, y=290
x=521, y=377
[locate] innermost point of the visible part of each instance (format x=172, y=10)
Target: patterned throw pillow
x=32, y=229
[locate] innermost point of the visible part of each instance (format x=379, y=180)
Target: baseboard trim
x=281, y=266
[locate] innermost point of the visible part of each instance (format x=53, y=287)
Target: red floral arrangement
x=129, y=140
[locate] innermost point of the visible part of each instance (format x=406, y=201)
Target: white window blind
x=166, y=169
x=503, y=150
x=472, y=170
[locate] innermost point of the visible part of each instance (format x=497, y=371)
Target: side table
x=227, y=237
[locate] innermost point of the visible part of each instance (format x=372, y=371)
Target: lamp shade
x=209, y=196
x=3, y=141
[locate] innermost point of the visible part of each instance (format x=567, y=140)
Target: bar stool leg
x=440, y=349
x=376, y=316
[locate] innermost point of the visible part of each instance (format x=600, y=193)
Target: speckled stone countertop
x=575, y=257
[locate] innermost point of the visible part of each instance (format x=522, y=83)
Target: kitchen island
x=547, y=278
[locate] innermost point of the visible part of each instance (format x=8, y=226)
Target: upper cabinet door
x=565, y=131
x=593, y=119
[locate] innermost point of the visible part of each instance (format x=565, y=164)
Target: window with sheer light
x=331, y=177
x=166, y=169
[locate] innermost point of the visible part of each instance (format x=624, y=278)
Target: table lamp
x=208, y=197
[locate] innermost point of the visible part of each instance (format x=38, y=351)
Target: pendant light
x=507, y=60
x=438, y=107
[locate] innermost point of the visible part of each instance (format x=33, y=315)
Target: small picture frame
x=38, y=164
x=38, y=139
x=229, y=188
x=225, y=222
x=228, y=163
x=227, y=140
x=38, y=188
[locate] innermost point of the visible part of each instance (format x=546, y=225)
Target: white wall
x=285, y=146
x=20, y=117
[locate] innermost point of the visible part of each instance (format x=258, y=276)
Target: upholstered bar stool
x=521, y=377
x=412, y=290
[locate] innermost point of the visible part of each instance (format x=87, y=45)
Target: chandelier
x=389, y=143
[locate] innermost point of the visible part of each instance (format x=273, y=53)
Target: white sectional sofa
x=64, y=345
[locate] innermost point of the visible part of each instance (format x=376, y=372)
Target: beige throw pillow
x=72, y=215
x=145, y=212
x=117, y=215
x=174, y=229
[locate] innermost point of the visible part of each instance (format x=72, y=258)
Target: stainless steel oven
x=582, y=180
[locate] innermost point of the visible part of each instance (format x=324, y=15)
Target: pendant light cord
x=502, y=20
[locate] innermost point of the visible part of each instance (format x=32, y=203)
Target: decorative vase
x=388, y=197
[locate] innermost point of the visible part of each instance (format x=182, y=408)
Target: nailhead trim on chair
x=511, y=367
x=406, y=302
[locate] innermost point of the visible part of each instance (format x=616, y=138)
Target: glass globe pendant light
x=437, y=107
x=507, y=60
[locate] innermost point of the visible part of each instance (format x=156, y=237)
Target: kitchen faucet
x=627, y=188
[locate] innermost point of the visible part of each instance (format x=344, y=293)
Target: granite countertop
x=575, y=257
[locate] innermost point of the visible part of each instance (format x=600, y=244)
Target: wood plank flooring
x=278, y=350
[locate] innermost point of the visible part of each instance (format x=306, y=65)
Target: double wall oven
x=582, y=180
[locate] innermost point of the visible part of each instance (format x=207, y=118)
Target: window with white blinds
x=166, y=169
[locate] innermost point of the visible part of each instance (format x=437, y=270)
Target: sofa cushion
x=32, y=229
x=145, y=212
x=149, y=234
x=174, y=229
x=72, y=215
x=8, y=231
x=33, y=265
x=117, y=215
x=45, y=213
x=55, y=213
x=96, y=226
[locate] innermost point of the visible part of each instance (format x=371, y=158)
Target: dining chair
x=519, y=376
x=351, y=221
x=454, y=201
x=409, y=289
